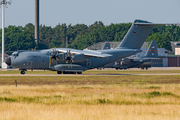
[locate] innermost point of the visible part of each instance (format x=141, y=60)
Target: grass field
x=97, y=72
x=123, y=97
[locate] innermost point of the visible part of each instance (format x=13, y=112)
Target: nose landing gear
x=23, y=72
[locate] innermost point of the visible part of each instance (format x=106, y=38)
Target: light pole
x=3, y=3
x=37, y=21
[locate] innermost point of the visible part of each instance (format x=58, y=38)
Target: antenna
x=3, y=3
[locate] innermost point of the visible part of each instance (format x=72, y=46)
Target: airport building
x=174, y=55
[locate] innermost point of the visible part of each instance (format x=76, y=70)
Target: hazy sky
x=53, y=12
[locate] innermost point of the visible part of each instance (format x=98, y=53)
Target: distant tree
x=18, y=38
x=162, y=40
x=45, y=35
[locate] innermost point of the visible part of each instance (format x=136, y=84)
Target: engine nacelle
x=61, y=56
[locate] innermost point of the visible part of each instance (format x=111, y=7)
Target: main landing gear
x=60, y=72
x=79, y=72
x=142, y=68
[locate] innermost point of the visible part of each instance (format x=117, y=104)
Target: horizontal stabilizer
x=153, y=24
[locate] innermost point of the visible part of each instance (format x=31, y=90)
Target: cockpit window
x=15, y=54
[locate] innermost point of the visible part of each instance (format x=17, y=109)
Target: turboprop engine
x=61, y=56
x=73, y=58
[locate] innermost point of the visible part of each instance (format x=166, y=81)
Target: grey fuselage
x=42, y=59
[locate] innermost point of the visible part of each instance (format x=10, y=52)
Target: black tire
x=59, y=72
x=69, y=72
x=116, y=68
x=79, y=72
x=22, y=72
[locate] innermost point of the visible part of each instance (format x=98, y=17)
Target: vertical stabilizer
x=152, y=50
x=136, y=35
x=106, y=45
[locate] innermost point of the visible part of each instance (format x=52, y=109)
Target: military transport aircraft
x=137, y=62
x=72, y=61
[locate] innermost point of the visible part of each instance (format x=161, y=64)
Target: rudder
x=152, y=50
x=136, y=35
x=106, y=45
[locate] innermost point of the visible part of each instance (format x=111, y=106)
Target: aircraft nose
x=8, y=61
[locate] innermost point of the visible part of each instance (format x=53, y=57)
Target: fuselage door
x=29, y=64
x=88, y=63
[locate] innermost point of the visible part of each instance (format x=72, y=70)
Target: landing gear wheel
x=146, y=68
x=69, y=72
x=142, y=68
x=22, y=72
x=79, y=72
x=116, y=68
x=59, y=72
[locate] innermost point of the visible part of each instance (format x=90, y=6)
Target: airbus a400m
x=72, y=61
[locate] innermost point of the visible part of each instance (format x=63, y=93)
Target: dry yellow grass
x=90, y=102
x=21, y=111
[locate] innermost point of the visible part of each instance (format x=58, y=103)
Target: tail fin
x=152, y=50
x=137, y=34
x=106, y=45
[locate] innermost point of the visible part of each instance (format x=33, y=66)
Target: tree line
x=80, y=36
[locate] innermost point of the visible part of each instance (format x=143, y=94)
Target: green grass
x=101, y=72
x=86, y=80
x=83, y=99
x=155, y=94
x=153, y=87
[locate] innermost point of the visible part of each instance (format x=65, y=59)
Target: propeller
x=54, y=55
x=69, y=58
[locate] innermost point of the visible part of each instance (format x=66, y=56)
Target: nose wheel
x=23, y=72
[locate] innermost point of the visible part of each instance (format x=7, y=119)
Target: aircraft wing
x=89, y=53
